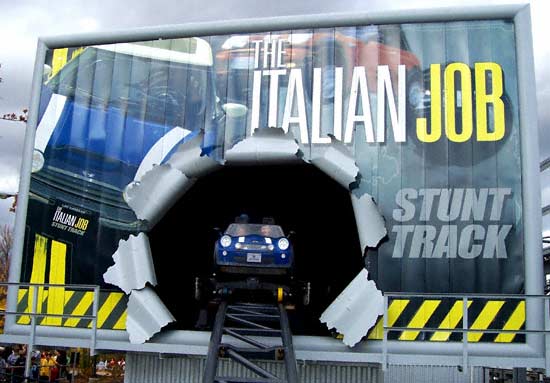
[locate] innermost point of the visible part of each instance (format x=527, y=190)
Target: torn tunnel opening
x=299, y=197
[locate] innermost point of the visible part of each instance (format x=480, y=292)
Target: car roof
x=184, y=51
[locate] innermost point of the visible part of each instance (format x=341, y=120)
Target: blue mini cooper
x=254, y=249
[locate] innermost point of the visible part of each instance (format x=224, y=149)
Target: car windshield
x=161, y=91
x=241, y=229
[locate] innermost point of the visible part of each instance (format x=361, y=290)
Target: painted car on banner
x=113, y=112
x=106, y=117
x=250, y=248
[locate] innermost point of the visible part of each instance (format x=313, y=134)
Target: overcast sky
x=23, y=21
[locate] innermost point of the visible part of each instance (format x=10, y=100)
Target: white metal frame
x=530, y=354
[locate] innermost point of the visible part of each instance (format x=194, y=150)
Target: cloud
x=12, y=135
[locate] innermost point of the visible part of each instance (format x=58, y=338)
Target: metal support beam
x=213, y=349
x=290, y=358
x=245, y=339
x=250, y=365
x=94, y=321
x=32, y=334
x=465, y=335
x=256, y=350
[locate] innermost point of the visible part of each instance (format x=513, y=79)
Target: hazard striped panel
x=49, y=266
x=111, y=313
x=446, y=315
x=395, y=309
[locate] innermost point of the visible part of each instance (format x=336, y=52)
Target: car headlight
x=37, y=161
x=283, y=243
x=225, y=240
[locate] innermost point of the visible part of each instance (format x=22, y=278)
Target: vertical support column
x=24, y=184
x=94, y=320
x=214, y=345
x=30, y=346
x=466, y=378
x=385, y=335
x=290, y=358
x=547, y=335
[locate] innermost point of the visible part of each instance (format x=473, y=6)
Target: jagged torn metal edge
x=161, y=187
x=146, y=315
x=371, y=226
x=337, y=161
x=355, y=310
x=190, y=159
x=133, y=267
x=265, y=146
x=152, y=196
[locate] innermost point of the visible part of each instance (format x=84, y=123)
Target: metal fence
x=468, y=328
x=464, y=330
x=35, y=292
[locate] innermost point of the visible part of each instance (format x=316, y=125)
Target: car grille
x=71, y=184
x=108, y=201
x=254, y=246
x=253, y=270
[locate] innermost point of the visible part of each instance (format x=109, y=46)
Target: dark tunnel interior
x=300, y=198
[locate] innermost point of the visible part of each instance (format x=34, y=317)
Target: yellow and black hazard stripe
x=58, y=300
x=49, y=265
x=446, y=315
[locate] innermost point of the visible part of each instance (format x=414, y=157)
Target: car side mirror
x=291, y=233
x=217, y=230
x=234, y=110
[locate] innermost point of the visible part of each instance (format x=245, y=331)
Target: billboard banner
x=428, y=111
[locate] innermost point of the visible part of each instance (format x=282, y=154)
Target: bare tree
x=19, y=117
x=6, y=241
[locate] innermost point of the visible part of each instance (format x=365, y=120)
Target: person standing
x=3, y=365
x=45, y=364
x=19, y=367
x=61, y=361
x=12, y=358
x=35, y=367
x=54, y=369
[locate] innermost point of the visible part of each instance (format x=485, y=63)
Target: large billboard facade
x=428, y=111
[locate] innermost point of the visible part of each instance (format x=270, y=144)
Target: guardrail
x=466, y=328
x=35, y=290
x=462, y=300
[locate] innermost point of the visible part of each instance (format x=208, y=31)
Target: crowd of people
x=103, y=365
x=53, y=365
x=45, y=367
